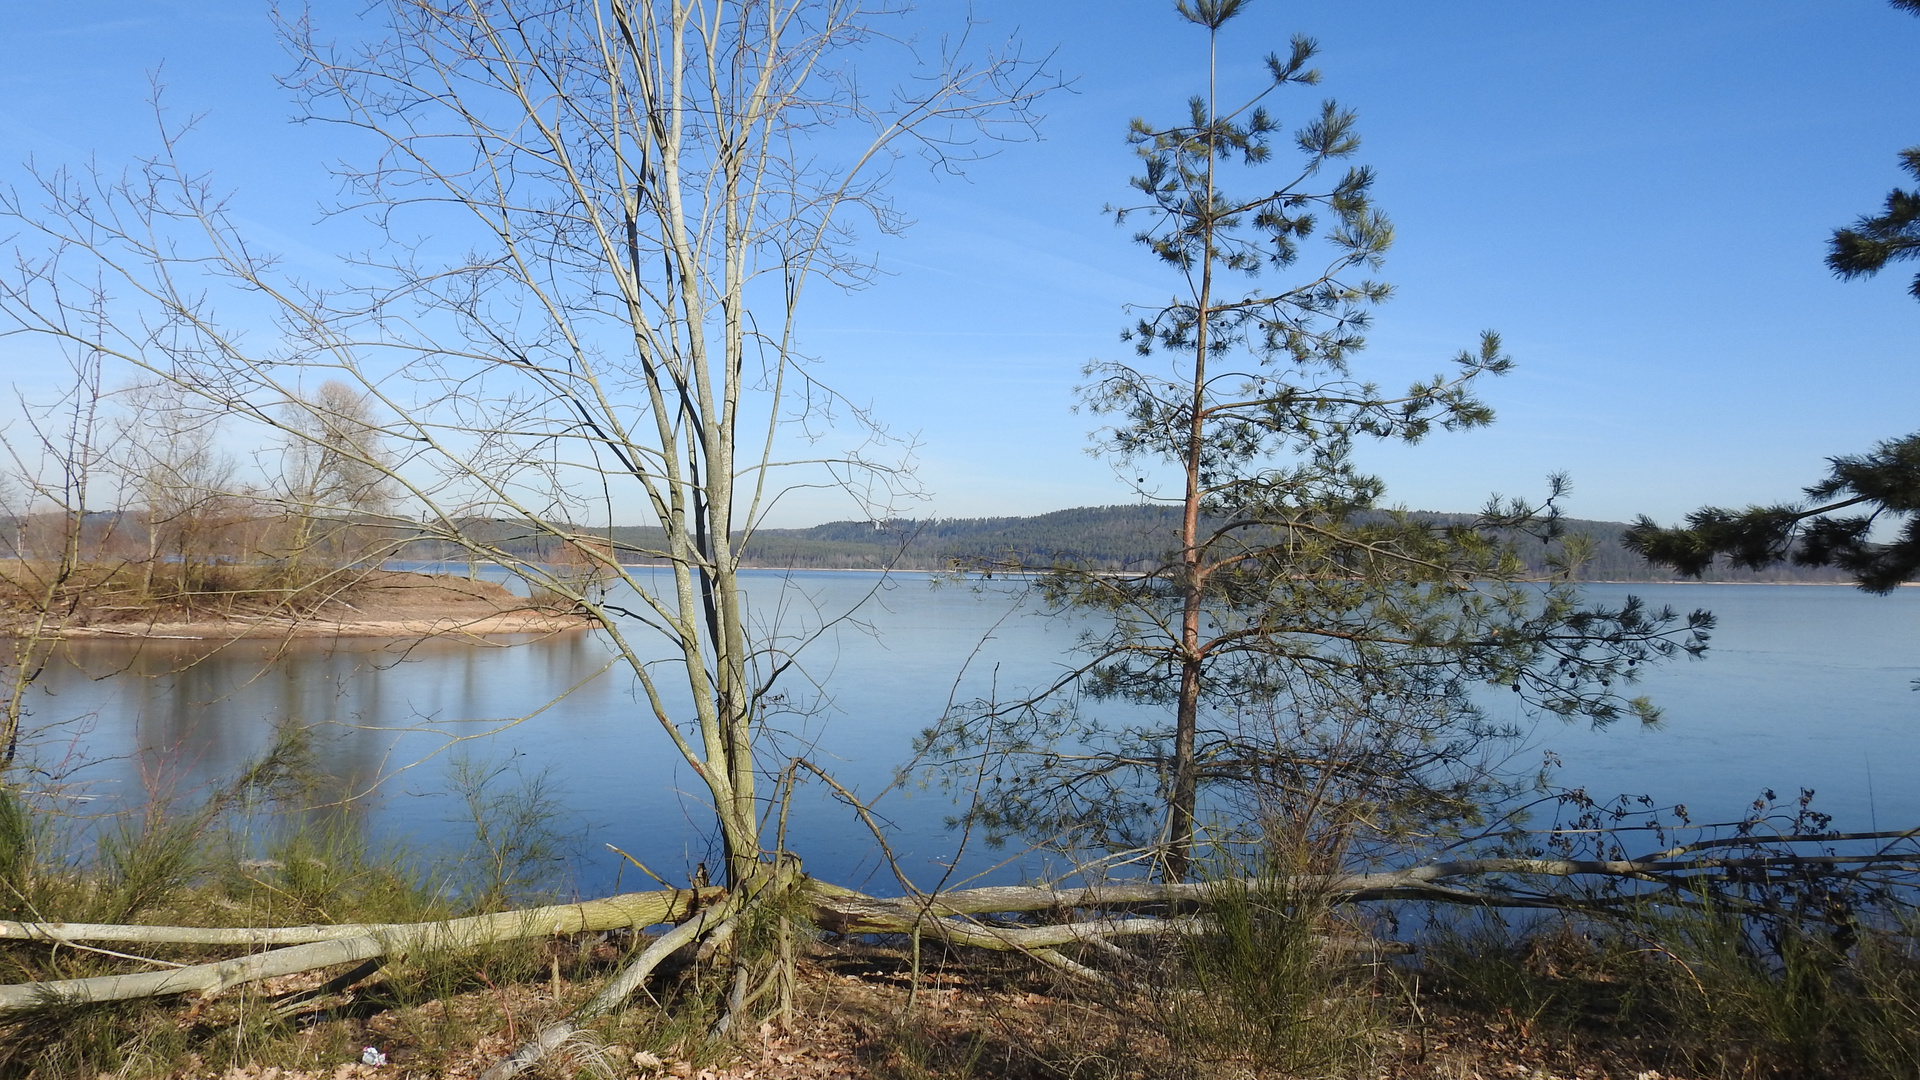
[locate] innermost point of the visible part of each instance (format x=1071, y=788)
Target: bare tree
x=164, y=455
x=334, y=476
x=53, y=465
x=639, y=193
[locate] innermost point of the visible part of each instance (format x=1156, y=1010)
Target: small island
x=360, y=603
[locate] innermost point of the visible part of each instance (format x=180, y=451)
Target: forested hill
x=1114, y=537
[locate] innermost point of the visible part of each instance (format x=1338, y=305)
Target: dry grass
x=1694, y=994
x=974, y=1015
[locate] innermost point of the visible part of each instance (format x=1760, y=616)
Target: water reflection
x=1805, y=686
x=389, y=717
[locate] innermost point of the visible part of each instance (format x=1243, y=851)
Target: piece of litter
x=372, y=1056
x=647, y=1060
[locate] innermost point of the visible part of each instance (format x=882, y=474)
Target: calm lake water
x=1805, y=686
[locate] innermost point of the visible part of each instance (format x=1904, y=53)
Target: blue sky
x=1636, y=195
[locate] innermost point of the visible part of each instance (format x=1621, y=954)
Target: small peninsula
x=364, y=604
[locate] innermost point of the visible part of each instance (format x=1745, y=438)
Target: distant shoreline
x=1041, y=570
x=1795, y=584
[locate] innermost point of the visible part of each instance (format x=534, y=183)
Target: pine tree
x=1297, y=638
x=1882, y=486
x=1893, y=236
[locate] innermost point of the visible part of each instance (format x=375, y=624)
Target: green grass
x=254, y=853
x=1263, y=986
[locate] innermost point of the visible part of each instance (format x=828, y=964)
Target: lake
x=1805, y=686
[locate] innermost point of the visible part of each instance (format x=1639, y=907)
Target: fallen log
x=852, y=910
x=632, y=909
x=951, y=916
x=626, y=909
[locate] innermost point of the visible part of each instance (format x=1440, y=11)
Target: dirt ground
x=990, y=1018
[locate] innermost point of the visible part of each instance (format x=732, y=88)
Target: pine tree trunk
x=1183, y=798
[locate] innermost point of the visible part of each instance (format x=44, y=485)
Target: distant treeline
x=1112, y=537
x=1118, y=538
x=1104, y=537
